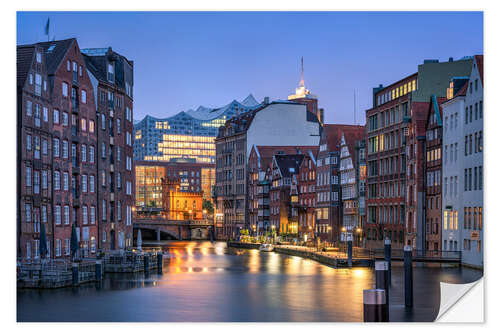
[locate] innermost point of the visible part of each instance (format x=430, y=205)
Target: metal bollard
x=76, y=275
x=146, y=262
x=159, y=262
x=98, y=270
x=375, y=308
x=349, y=253
x=381, y=278
x=408, y=277
x=387, y=256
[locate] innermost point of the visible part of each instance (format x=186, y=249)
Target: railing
x=416, y=254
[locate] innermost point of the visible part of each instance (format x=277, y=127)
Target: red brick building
x=433, y=171
x=259, y=161
x=306, y=186
x=328, y=202
x=396, y=150
x=57, y=107
x=112, y=78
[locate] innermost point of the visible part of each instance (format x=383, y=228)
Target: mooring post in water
x=375, y=308
x=98, y=270
x=159, y=259
x=146, y=262
x=387, y=255
x=382, y=279
x=408, y=276
x=349, y=252
x=76, y=277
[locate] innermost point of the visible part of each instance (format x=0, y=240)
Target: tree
x=208, y=206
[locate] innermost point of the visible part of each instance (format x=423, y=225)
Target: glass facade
x=148, y=186
x=188, y=134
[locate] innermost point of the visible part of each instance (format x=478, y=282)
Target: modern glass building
x=188, y=134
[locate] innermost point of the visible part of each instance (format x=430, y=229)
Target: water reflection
x=205, y=281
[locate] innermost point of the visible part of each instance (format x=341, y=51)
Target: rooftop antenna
x=47, y=29
x=354, y=106
x=301, y=84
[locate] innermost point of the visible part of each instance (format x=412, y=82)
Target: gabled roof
x=288, y=165
x=436, y=107
x=58, y=50
x=24, y=60
x=265, y=153
x=333, y=133
x=479, y=61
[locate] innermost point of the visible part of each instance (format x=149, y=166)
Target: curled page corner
x=462, y=302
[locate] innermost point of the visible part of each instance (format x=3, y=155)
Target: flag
x=47, y=27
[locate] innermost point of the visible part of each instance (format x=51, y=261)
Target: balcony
x=74, y=134
x=75, y=79
x=74, y=105
x=75, y=165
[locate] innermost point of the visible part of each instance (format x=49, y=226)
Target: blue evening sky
x=186, y=59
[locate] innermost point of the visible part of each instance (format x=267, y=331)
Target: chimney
x=266, y=100
x=451, y=59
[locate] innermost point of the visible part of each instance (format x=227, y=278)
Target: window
x=111, y=72
x=65, y=149
x=84, y=124
x=57, y=180
x=83, y=151
x=91, y=126
x=45, y=114
x=44, y=179
x=91, y=183
x=66, y=247
x=37, y=115
x=85, y=217
x=37, y=147
x=65, y=89
x=104, y=210
x=92, y=214
x=80, y=71
x=128, y=114
x=91, y=154
x=56, y=116
x=129, y=163
x=57, y=214
x=28, y=176
x=103, y=121
x=58, y=248
x=84, y=183
x=118, y=127
x=129, y=188
x=68, y=66
x=84, y=97
x=28, y=142
x=65, y=118
x=44, y=146
x=65, y=181
x=66, y=215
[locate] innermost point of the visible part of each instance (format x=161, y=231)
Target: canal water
x=204, y=281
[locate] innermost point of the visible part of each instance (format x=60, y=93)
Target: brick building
x=328, y=203
x=396, y=146
x=112, y=79
x=56, y=118
x=259, y=161
x=349, y=183
x=306, y=204
x=277, y=123
x=284, y=214
x=433, y=172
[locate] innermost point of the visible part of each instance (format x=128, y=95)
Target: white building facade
x=472, y=169
x=462, y=228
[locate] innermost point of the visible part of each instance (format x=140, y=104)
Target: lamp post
x=329, y=231
x=358, y=230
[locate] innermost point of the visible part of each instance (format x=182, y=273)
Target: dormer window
x=111, y=72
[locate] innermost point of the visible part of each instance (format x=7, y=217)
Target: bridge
x=162, y=228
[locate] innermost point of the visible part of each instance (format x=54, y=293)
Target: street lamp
x=358, y=230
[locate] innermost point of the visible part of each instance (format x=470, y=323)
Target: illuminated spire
x=301, y=83
x=301, y=91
